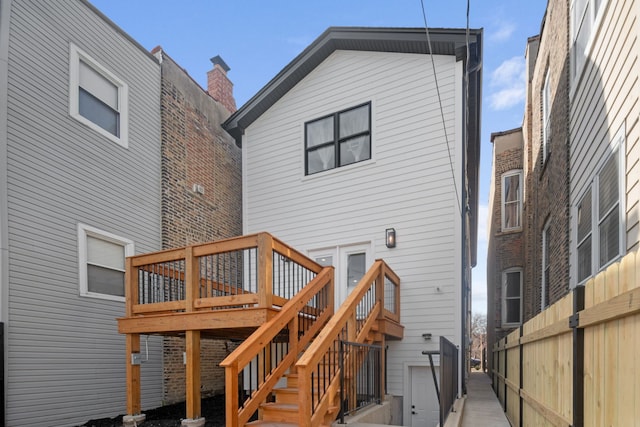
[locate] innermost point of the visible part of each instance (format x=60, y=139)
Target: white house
x=371, y=129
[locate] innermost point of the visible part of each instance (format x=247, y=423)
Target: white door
x=425, y=410
x=351, y=262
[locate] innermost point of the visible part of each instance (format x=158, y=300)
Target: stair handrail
x=295, y=313
x=350, y=321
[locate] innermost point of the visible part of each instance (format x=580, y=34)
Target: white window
x=512, y=200
x=585, y=15
x=339, y=139
x=101, y=257
x=599, y=216
x=544, y=285
x=97, y=97
x=546, y=117
x=511, y=297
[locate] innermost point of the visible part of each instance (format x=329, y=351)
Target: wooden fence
x=577, y=362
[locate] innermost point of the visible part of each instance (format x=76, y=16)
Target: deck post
x=192, y=339
x=265, y=270
x=380, y=290
x=133, y=375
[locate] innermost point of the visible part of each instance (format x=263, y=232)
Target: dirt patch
x=172, y=415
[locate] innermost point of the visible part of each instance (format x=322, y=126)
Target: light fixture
x=390, y=239
x=427, y=336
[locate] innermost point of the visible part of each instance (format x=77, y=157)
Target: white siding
x=603, y=100
x=66, y=360
x=406, y=185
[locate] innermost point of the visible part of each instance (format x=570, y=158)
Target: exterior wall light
x=390, y=239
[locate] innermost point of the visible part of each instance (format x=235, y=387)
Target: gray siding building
x=80, y=165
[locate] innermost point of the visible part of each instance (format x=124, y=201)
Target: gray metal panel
x=66, y=360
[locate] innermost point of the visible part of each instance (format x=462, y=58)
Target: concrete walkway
x=481, y=407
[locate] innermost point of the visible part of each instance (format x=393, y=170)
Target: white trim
x=617, y=148
x=503, y=298
x=546, y=115
x=75, y=55
x=576, y=74
x=505, y=175
x=339, y=254
x=84, y=231
x=461, y=272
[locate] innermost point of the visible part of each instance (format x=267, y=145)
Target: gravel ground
x=171, y=416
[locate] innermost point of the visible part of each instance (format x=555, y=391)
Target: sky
x=257, y=38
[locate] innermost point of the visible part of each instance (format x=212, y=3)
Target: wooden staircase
x=284, y=411
x=311, y=396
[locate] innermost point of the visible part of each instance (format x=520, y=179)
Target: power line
x=444, y=125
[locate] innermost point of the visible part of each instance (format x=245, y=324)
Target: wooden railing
x=250, y=271
x=318, y=369
x=255, y=367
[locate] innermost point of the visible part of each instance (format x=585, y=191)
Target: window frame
x=514, y=172
x=337, y=140
x=546, y=116
x=76, y=56
x=85, y=231
x=503, y=319
x=594, y=19
x=544, y=277
x=617, y=148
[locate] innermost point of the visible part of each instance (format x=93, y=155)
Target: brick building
x=528, y=261
x=201, y=193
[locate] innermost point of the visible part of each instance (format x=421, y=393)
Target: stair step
x=286, y=395
x=270, y=424
x=280, y=412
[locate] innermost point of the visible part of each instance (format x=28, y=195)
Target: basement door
x=351, y=263
x=425, y=410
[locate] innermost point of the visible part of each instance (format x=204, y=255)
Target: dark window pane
x=91, y=108
x=105, y=280
x=584, y=259
x=609, y=237
x=584, y=216
x=513, y=285
x=513, y=311
x=608, y=186
x=355, y=150
x=321, y=159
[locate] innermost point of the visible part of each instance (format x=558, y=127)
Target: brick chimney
x=219, y=86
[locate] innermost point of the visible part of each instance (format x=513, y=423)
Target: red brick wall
x=196, y=150
x=547, y=183
x=220, y=88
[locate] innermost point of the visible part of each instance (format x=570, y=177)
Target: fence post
x=521, y=381
x=506, y=372
x=578, y=357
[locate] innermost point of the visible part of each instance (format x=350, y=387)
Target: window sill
x=121, y=141
x=509, y=231
x=102, y=296
x=338, y=170
x=510, y=325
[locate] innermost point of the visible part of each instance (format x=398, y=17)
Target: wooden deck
x=235, y=289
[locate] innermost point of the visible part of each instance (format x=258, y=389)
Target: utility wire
x=444, y=125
